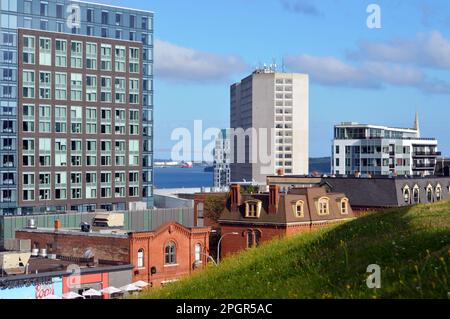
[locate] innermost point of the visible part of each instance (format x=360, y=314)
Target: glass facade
x=62, y=16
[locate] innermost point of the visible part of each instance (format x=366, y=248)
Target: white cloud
x=179, y=64
x=429, y=49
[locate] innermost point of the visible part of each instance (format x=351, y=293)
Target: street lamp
x=218, y=245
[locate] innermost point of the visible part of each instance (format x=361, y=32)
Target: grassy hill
x=411, y=245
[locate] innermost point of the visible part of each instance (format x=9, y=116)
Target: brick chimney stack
x=274, y=192
x=235, y=196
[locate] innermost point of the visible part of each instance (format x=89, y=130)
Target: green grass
x=411, y=245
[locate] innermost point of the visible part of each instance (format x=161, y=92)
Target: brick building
x=261, y=217
x=166, y=254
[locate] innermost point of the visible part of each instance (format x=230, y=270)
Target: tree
x=214, y=205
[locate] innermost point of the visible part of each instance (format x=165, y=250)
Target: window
x=323, y=206
x=76, y=58
x=91, y=121
x=60, y=11
x=250, y=239
x=298, y=209
x=133, y=153
x=430, y=193
x=90, y=15
x=76, y=90
x=61, y=53
x=106, y=89
x=120, y=90
x=45, y=83
x=28, y=118
x=91, y=56
x=170, y=253
x=44, y=9
x=60, y=86
x=28, y=152
x=45, y=151
x=120, y=122
x=416, y=194
x=105, y=127
x=76, y=119
x=60, y=152
x=106, y=57
x=144, y=23
x=120, y=59
x=105, y=17
x=406, y=195
x=253, y=209
x=28, y=83
x=438, y=193
x=44, y=25
x=134, y=91
x=134, y=122
x=132, y=21
x=134, y=60
x=44, y=119
x=91, y=88
x=45, y=51
x=198, y=252
x=140, y=258
x=28, y=55
x=344, y=206
x=60, y=119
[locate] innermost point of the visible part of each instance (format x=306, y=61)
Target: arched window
x=140, y=258
x=250, y=239
x=430, y=193
x=170, y=253
x=344, y=206
x=407, y=195
x=257, y=237
x=323, y=206
x=416, y=194
x=438, y=193
x=198, y=252
x=297, y=208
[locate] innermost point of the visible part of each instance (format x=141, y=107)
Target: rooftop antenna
x=283, y=65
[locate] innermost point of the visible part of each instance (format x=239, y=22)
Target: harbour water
x=176, y=177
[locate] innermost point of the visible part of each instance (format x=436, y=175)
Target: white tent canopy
x=71, y=295
x=129, y=288
x=140, y=284
x=92, y=293
x=111, y=290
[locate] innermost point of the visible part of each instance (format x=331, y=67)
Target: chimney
x=280, y=172
x=235, y=196
x=57, y=225
x=274, y=192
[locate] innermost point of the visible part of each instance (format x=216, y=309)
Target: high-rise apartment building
x=382, y=150
x=222, y=153
x=76, y=106
x=271, y=108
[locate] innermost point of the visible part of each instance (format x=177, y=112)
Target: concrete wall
x=162, y=201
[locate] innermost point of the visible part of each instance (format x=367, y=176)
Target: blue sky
x=379, y=76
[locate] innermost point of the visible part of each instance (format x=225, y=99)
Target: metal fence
x=143, y=220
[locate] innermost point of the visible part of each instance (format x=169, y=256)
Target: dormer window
x=323, y=206
x=430, y=193
x=438, y=193
x=416, y=194
x=344, y=206
x=253, y=209
x=407, y=195
x=298, y=208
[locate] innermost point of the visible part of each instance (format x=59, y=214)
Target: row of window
x=89, y=185
x=90, y=119
x=57, y=155
x=107, y=52
x=253, y=208
x=90, y=84
x=432, y=194
x=170, y=254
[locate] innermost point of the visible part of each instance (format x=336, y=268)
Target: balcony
x=427, y=154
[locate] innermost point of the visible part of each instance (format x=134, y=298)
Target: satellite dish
x=88, y=254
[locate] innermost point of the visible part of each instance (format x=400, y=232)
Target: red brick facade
x=125, y=248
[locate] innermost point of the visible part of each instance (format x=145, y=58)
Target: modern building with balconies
x=381, y=150
x=76, y=107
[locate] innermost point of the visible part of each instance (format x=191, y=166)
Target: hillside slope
x=411, y=245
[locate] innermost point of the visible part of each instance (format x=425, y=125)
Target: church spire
x=416, y=123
